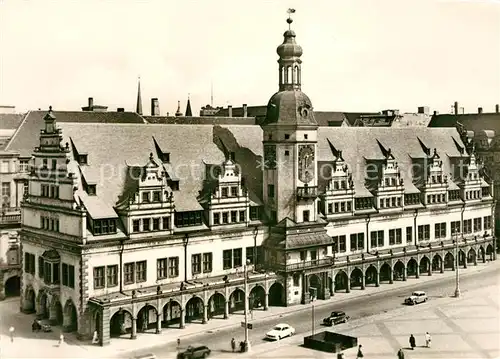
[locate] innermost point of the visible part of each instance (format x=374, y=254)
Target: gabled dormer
x=227, y=201
x=470, y=179
x=337, y=200
x=389, y=187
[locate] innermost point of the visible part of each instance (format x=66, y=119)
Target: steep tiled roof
x=329, y=118
x=26, y=137
x=474, y=121
x=113, y=148
x=10, y=121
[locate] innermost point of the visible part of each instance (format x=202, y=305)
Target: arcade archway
x=424, y=265
x=194, y=309
x=356, y=278
x=411, y=268
x=449, y=261
x=471, y=256
x=146, y=318
x=315, y=287
x=399, y=271
x=277, y=295
x=436, y=263
x=371, y=276
x=237, y=301
x=216, y=305
x=172, y=311
x=13, y=286
x=43, y=306
x=56, y=312
x=385, y=273
x=257, y=298
x=30, y=300
x=71, y=316
x=341, y=281
x=481, y=254
x=120, y=323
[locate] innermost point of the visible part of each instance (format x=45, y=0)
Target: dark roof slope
x=25, y=139
x=472, y=122
x=204, y=120
x=10, y=121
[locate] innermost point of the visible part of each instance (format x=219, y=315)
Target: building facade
x=130, y=228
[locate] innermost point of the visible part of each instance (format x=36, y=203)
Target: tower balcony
x=307, y=192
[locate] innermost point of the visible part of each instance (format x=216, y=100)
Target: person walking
x=61, y=339
x=11, y=334
x=360, y=352
x=427, y=340
x=178, y=343
x=95, y=337
x=233, y=344
x=401, y=354
x=412, y=342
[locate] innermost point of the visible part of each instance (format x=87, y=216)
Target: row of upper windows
x=390, y=202
x=473, y=194
x=377, y=238
x=151, y=224
x=436, y=198
x=51, y=191
x=148, y=198
x=286, y=136
x=230, y=217
x=50, y=272
x=229, y=191
x=49, y=224
x=339, y=207
x=136, y=272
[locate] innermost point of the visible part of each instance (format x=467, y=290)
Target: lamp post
x=457, y=265
x=247, y=342
x=312, y=319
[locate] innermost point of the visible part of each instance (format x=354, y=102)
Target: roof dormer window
x=91, y=189
x=174, y=185
x=165, y=157
x=83, y=159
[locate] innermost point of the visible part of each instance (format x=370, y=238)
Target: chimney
x=245, y=110
x=120, y=109
x=155, y=107
x=229, y=111
x=436, y=113
x=91, y=103
x=455, y=108
x=423, y=110
x=497, y=108
x=479, y=110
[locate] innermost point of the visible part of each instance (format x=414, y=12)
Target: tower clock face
x=306, y=163
x=270, y=156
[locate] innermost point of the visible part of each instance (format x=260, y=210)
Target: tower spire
x=289, y=62
x=138, y=107
x=178, y=113
x=188, y=107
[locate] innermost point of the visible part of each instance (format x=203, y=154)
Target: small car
x=336, y=317
x=194, y=352
x=416, y=298
x=280, y=331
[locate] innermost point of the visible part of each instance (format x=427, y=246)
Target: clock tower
x=290, y=143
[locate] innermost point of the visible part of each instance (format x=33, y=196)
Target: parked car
x=416, y=298
x=194, y=352
x=280, y=331
x=335, y=318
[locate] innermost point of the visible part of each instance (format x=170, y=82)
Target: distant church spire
x=178, y=113
x=188, y=108
x=138, y=107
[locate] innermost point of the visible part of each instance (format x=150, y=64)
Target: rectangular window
x=227, y=259
x=424, y=232
x=468, y=226
x=40, y=266
x=56, y=273
x=234, y=216
x=477, y=224
x=207, y=262
x=165, y=223
x=225, y=217
x=141, y=271
x=64, y=274
x=455, y=227
x=376, y=239
x=173, y=267
x=71, y=276
x=224, y=191
x=270, y=190
x=216, y=218
x=5, y=194
x=254, y=213
x=156, y=224
x=305, y=216
x=136, y=225
x=348, y=206
x=342, y=244
x=196, y=263
x=146, y=224
x=161, y=268
x=98, y=277
x=392, y=237
x=129, y=273
x=112, y=275
x=237, y=257
x=156, y=196
x=440, y=230
x=234, y=191
x=487, y=222
x=145, y=197
x=303, y=255
x=243, y=216
x=330, y=208
x=249, y=251
x=342, y=206
x=336, y=207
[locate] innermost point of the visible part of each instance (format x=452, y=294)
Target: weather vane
x=289, y=20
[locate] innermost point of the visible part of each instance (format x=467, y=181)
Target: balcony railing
x=303, y=265
x=10, y=215
x=307, y=192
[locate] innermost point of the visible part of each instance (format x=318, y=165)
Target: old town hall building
x=128, y=228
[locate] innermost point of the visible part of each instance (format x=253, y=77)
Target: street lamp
x=245, y=269
x=457, y=265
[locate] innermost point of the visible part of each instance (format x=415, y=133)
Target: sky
x=359, y=55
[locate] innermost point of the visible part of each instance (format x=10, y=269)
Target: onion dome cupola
x=290, y=105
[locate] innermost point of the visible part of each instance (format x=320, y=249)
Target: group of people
x=413, y=341
x=233, y=346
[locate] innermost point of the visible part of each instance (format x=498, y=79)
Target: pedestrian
x=427, y=340
x=360, y=353
x=11, y=333
x=412, y=342
x=178, y=343
x=95, y=337
x=233, y=344
x=401, y=354
x=61, y=339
